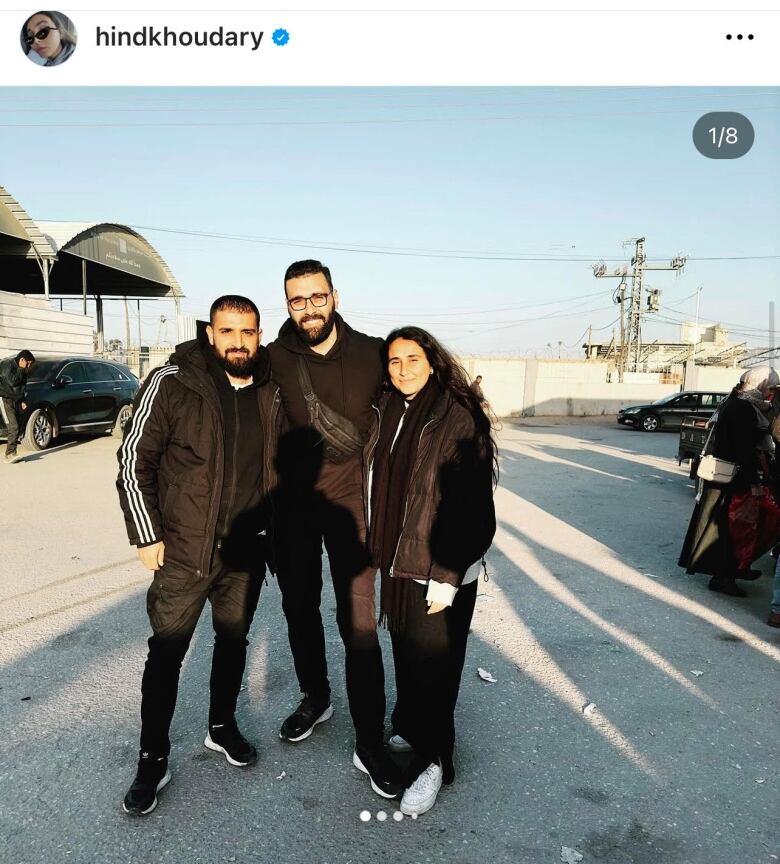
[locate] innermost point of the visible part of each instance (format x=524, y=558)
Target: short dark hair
x=306, y=268
x=234, y=303
x=24, y=354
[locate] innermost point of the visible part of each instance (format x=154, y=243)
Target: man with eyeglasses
x=320, y=500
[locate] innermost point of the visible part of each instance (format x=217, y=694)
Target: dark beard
x=317, y=337
x=238, y=365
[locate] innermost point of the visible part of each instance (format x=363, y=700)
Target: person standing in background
x=13, y=377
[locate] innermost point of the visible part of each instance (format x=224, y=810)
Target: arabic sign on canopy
x=120, y=250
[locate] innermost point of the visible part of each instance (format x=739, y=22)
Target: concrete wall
x=711, y=378
x=552, y=388
x=33, y=323
x=504, y=378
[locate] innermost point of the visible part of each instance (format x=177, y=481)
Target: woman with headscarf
x=48, y=38
x=431, y=468
x=742, y=437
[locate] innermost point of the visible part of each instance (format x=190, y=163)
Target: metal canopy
x=19, y=235
x=71, y=259
x=118, y=262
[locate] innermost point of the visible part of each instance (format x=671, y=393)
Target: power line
x=375, y=122
x=111, y=105
x=405, y=251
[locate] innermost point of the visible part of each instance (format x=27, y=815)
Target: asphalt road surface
x=634, y=718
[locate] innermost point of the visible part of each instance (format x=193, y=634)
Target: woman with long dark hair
x=431, y=468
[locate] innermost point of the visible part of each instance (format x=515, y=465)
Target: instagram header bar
x=390, y=48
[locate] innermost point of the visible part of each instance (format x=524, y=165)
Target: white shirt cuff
x=440, y=592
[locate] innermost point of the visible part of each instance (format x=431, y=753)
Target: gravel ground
x=634, y=718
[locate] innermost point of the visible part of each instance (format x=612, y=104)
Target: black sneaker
x=225, y=738
x=384, y=774
x=151, y=776
x=300, y=724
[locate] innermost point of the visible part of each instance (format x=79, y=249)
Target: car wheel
x=40, y=430
x=650, y=422
x=125, y=412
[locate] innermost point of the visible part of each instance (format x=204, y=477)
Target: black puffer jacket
x=172, y=461
x=450, y=518
x=12, y=379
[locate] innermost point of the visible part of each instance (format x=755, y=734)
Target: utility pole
x=698, y=302
x=127, y=328
x=630, y=348
x=772, y=326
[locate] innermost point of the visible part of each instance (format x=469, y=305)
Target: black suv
x=75, y=394
x=668, y=413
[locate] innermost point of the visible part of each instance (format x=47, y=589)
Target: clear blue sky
x=536, y=172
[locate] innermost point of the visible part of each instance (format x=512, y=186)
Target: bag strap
x=712, y=428
x=304, y=379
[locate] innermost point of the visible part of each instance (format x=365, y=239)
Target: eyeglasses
x=40, y=36
x=298, y=304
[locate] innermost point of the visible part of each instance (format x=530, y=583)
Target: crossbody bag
x=341, y=438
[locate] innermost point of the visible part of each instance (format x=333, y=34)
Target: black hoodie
x=347, y=379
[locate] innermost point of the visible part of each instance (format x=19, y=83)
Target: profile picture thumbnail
x=48, y=38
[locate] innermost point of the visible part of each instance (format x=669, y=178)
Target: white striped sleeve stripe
x=135, y=499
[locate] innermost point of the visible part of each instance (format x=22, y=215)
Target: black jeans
x=174, y=602
x=11, y=420
x=429, y=656
x=303, y=525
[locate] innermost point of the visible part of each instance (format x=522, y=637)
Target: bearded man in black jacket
x=194, y=470
x=319, y=500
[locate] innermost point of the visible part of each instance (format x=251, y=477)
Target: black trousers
x=11, y=420
x=174, y=602
x=429, y=656
x=303, y=525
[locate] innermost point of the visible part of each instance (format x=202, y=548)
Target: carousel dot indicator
x=365, y=816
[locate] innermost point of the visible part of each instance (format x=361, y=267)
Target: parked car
x=75, y=394
x=693, y=435
x=668, y=413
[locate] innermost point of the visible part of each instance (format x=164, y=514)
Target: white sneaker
x=421, y=795
x=398, y=744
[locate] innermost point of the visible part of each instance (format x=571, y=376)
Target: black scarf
x=391, y=476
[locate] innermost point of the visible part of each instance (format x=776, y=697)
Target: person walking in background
x=13, y=377
x=741, y=437
x=476, y=388
x=433, y=465
x=192, y=483
x=329, y=377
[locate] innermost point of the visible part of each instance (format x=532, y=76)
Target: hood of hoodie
x=196, y=353
x=292, y=341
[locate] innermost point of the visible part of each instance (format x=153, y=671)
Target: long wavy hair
x=452, y=377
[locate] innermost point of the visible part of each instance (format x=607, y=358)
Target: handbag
x=340, y=437
x=754, y=525
x=715, y=470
